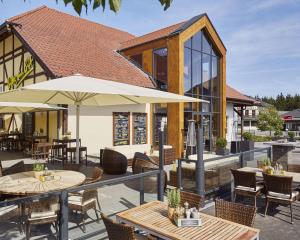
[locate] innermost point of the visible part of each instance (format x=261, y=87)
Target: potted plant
x=247, y=145
x=266, y=163
x=38, y=169
x=221, y=144
x=291, y=137
x=173, y=196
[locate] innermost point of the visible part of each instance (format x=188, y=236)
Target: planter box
x=247, y=146
x=222, y=152
x=235, y=146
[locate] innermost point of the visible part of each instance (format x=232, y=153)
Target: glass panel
x=213, y=52
x=215, y=84
x=137, y=59
x=160, y=71
x=206, y=74
x=206, y=131
x=215, y=104
x=187, y=71
x=196, y=72
x=206, y=45
x=188, y=43
x=215, y=124
x=206, y=105
x=196, y=41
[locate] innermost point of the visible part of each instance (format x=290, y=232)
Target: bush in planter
x=247, y=136
x=221, y=144
x=247, y=145
x=291, y=136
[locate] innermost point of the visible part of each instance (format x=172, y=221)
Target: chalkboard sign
x=139, y=128
x=121, y=129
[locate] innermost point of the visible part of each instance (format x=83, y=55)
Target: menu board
x=121, y=128
x=139, y=128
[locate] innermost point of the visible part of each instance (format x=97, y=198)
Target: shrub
x=247, y=136
x=291, y=135
x=278, y=133
x=221, y=143
x=261, y=138
x=173, y=198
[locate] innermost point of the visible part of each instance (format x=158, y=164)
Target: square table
x=153, y=218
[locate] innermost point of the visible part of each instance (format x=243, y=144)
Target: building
x=236, y=113
x=291, y=120
x=186, y=58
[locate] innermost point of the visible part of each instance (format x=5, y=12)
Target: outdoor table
x=296, y=176
x=153, y=218
x=26, y=183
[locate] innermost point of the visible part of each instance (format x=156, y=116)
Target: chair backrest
x=278, y=184
x=44, y=205
x=97, y=174
x=194, y=200
x=117, y=231
x=243, y=178
x=235, y=212
x=89, y=194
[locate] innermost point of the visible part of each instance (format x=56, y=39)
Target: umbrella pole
x=77, y=132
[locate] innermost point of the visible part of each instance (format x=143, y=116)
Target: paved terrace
x=122, y=196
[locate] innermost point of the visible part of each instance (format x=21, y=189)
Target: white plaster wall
x=231, y=117
x=96, y=128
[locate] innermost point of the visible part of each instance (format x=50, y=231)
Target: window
x=160, y=67
x=137, y=59
x=253, y=112
x=201, y=80
x=247, y=112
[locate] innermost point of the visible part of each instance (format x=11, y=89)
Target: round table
x=25, y=183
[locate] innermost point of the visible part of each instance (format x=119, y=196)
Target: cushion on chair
x=44, y=214
x=76, y=200
x=7, y=209
x=249, y=189
x=282, y=196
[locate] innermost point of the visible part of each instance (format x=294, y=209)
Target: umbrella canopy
x=20, y=107
x=80, y=90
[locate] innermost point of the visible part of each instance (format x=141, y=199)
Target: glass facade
x=201, y=80
x=160, y=67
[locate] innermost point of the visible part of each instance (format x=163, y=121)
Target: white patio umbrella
x=22, y=107
x=80, y=90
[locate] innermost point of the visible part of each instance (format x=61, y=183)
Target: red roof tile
x=69, y=45
x=234, y=95
x=161, y=33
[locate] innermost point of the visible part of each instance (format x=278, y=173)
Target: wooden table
x=152, y=218
x=296, y=176
x=25, y=183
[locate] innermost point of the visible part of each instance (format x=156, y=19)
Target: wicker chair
x=44, y=211
x=140, y=161
x=279, y=189
x=82, y=202
x=113, y=162
x=97, y=175
x=235, y=212
x=245, y=184
x=118, y=231
x=194, y=200
x=9, y=212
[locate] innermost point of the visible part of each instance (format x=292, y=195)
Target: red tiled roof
x=235, y=95
x=69, y=45
x=161, y=33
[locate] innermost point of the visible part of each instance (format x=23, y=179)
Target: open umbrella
x=22, y=107
x=80, y=90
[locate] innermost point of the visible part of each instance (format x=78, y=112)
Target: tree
x=113, y=4
x=269, y=120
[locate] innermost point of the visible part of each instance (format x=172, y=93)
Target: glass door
x=204, y=120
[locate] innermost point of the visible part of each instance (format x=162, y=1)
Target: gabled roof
x=232, y=95
x=67, y=45
x=294, y=114
x=164, y=32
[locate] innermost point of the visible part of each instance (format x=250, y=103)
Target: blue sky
x=262, y=37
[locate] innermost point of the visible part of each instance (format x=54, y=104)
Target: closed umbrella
x=80, y=90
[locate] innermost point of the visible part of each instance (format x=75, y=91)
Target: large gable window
x=201, y=80
x=160, y=67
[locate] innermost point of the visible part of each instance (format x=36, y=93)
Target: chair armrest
x=74, y=194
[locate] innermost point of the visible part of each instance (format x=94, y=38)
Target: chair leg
x=98, y=203
x=292, y=220
x=28, y=231
x=234, y=197
x=255, y=201
x=83, y=222
x=96, y=214
x=267, y=205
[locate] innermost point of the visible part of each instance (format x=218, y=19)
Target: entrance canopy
x=20, y=107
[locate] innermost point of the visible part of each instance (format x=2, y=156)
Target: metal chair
x=245, y=184
x=235, y=212
x=279, y=189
